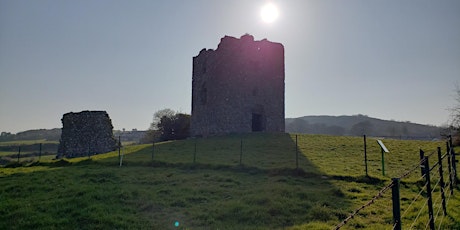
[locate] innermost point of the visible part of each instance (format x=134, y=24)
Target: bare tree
x=455, y=116
x=168, y=124
x=455, y=110
x=160, y=114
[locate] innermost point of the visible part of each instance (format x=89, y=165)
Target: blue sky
x=395, y=59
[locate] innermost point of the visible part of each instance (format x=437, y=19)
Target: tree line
x=168, y=125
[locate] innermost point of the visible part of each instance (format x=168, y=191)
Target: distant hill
x=55, y=135
x=357, y=125
x=35, y=134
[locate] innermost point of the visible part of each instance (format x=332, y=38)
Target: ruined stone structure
x=86, y=133
x=238, y=88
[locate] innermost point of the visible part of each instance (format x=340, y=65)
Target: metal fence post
x=422, y=156
x=449, y=169
x=428, y=191
x=19, y=153
x=40, y=152
x=441, y=178
x=194, y=152
x=241, y=151
x=396, y=204
x=153, y=150
x=119, y=147
x=365, y=154
x=454, y=162
x=296, y=153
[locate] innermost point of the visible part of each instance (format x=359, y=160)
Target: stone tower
x=238, y=88
x=86, y=133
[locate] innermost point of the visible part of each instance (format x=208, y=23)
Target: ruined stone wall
x=238, y=88
x=86, y=133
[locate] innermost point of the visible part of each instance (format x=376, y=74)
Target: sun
x=269, y=13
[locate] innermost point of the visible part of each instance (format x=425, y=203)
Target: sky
x=389, y=59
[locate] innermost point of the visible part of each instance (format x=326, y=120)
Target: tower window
x=257, y=122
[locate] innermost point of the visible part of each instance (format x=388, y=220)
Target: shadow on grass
x=362, y=179
x=252, y=170
x=270, y=155
x=50, y=164
x=256, y=185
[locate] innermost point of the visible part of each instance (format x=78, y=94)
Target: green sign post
x=384, y=150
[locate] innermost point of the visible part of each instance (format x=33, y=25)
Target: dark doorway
x=257, y=125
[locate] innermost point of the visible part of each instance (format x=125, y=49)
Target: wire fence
x=430, y=203
x=26, y=153
x=427, y=208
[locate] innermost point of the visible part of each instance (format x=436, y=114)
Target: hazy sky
x=390, y=59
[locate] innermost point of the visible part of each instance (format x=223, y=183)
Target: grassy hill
x=360, y=124
x=200, y=184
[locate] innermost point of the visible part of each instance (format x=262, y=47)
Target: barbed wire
x=444, y=156
x=420, y=164
x=352, y=215
x=415, y=167
x=432, y=152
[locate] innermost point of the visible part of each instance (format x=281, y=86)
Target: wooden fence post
x=422, y=156
x=19, y=153
x=296, y=153
x=365, y=155
x=153, y=150
x=396, y=204
x=119, y=147
x=454, y=162
x=449, y=169
x=441, y=178
x=428, y=191
x=40, y=152
x=241, y=151
x=194, y=152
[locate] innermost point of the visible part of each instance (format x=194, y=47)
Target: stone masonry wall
x=86, y=133
x=238, y=88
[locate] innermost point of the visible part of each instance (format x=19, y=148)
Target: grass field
x=200, y=184
x=30, y=151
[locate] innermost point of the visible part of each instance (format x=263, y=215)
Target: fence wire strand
x=436, y=185
x=427, y=224
x=442, y=218
x=439, y=209
x=414, y=200
x=419, y=212
x=438, y=205
x=352, y=215
x=417, y=166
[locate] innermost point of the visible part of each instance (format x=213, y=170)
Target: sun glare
x=269, y=13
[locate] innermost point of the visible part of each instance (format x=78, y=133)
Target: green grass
x=27, y=142
x=215, y=191
x=29, y=151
